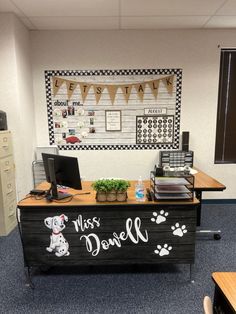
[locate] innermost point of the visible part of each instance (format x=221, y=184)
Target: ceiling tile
x=75, y=23
x=169, y=7
x=229, y=8
x=163, y=22
x=69, y=7
x=221, y=22
x=104, y=14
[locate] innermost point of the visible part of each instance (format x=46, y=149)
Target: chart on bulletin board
x=114, y=109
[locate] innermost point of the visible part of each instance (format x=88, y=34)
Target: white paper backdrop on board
x=114, y=109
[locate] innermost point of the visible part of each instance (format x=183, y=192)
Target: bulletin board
x=114, y=109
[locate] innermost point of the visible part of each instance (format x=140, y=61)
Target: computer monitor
x=61, y=170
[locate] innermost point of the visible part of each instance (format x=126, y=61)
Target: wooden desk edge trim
x=44, y=203
x=215, y=275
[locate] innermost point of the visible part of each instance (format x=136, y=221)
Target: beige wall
x=195, y=51
x=16, y=94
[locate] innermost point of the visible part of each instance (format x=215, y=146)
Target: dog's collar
x=56, y=233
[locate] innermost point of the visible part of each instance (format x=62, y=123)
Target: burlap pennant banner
x=140, y=88
x=168, y=81
x=112, y=90
x=84, y=88
x=154, y=85
x=70, y=86
x=98, y=89
x=56, y=84
x=126, y=90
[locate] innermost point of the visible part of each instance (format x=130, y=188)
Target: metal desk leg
x=29, y=282
x=199, y=207
x=216, y=233
x=192, y=273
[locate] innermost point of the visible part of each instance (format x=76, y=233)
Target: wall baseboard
x=219, y=201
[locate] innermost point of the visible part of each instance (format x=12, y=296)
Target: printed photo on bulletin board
x=114, y=109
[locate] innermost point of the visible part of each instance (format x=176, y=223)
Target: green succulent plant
x=107, y=185
x=121, y=185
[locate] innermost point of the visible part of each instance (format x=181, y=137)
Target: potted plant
x=121, y=187
x=100, y=186
x=111, y=189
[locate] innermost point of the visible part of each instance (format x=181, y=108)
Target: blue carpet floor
x=162, y=289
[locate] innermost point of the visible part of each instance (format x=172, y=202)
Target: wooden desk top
x=89, y=199
x=204, y=182
x=227, y=283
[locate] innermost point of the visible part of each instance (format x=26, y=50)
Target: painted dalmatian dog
x=58, y=243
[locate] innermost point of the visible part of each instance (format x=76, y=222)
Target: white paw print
x=179, y=231
x=159, y=218
x=165, y=250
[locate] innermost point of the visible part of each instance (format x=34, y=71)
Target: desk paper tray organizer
x=172, y=187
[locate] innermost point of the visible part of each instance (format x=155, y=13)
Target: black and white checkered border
x=115, y=147
x=49, y=106
x=177, y=108
x=177, y=72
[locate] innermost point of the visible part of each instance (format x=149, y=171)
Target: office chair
x=207, y=305
x=38, y=172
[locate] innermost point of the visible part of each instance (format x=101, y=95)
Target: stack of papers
x=172, y=189
x=171, y=181
x=160, y=196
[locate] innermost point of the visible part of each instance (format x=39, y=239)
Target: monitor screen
x=62, y=170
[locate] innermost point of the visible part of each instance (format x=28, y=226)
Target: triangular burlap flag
x=112, y=89
x=70, y=86
x=168, y=81
x=140, y=88
x=56, y=84
x=126, y=89
x=154, y=85
x=84, y=88
x=98, y=89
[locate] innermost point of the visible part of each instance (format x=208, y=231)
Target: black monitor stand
x=55, y=194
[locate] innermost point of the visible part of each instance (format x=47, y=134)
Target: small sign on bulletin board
x=113, y=120
x=114, y=109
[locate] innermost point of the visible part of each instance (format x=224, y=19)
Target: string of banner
x=112, y=88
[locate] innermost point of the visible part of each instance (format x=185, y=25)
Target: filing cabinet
x=7, y=184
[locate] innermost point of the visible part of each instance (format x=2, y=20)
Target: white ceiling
x=122, y=14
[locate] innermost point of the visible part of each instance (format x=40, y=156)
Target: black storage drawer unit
x=176, y=158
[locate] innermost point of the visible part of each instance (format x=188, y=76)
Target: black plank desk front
x=84, y=232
